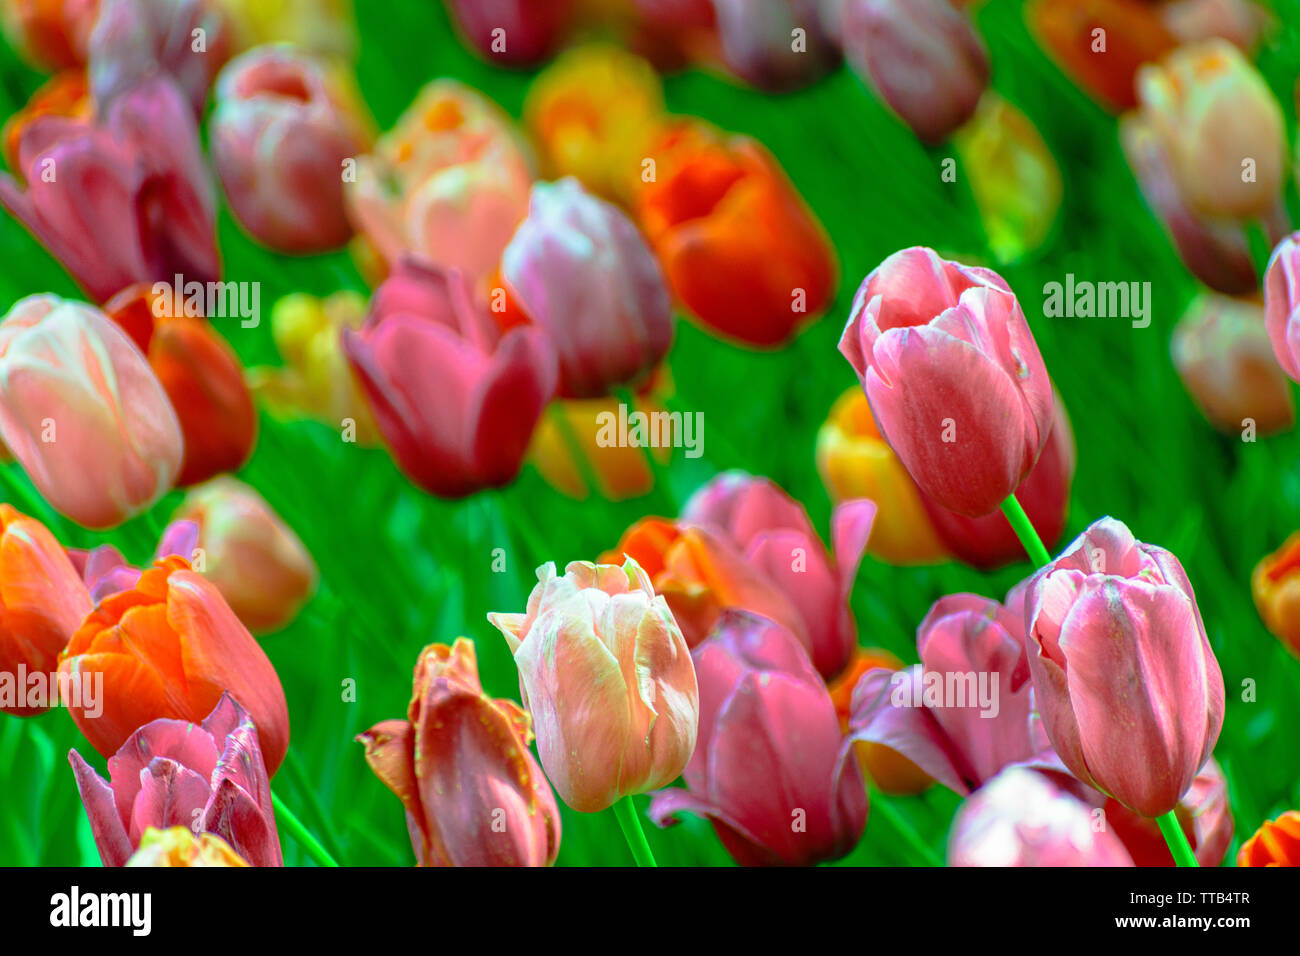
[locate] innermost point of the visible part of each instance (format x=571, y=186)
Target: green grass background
x=401, y=569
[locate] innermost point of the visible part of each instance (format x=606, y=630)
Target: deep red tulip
x=512, y=32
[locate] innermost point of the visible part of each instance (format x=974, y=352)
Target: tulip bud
x=954, y=377
x=42, y=603
x=1275, y=843
x=209, y=777
x=186, y=650
x=83, y=413
x=460, y=764
x=775, y=45
x=1275, y=584
x=1282, y=304
x=769, y=771
x=606, y=674
x=178, y=846
x=1129, y=690
x=512, y=32
x=1203, y=814
x=49, y=34
x=1021, y=818
x=924, y=58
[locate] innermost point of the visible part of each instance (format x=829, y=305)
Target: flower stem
x=1176, y=839
x=286, y=819
x=1024, y=530
x=625, y=810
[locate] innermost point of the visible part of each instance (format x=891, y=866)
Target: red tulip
x=512, y=32
x=759, y=43
x=1203, y=813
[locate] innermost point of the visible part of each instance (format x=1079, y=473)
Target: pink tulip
x=953, y=375
x=1203, y=813
x=579, y=268
x=280, y=134
x=83, y=413
x=122, y=200
x=772, y=530
x=1022, y=818
x=759, y=43
x=512, y=32
x=105, y=571
x=606, y=674
x=209, y=777
x=1282, y=304
x=456, y=400
x=770, y=770
x=1128, y=687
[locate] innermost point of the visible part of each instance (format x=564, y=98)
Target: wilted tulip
x=122, y=199
x=769, y=771
x=1275, y=843
x=282, y=134
x=775, y=45
x=460, y=764
x=740, y=248
x=42, y=603
x=50, y=34
x=512, y=32
x=83, y=413
x=256, y=561
x=1282, y=304
x=179, y=846
x=209, y=777
x=580, y=270
x=1203, y=814
x=954, y=377
x=171, y=647
x=1220, y=126
x=1128, y=687
x=1222, y=352
x=924, y=58
x=1275, y=584
x=324, y=27
x=455, y=399
x=607, y=677
x=1021, y=818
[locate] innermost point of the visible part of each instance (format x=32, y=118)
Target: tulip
x=580, y=270
x=42, y=601
x=170, y=647
x=1240, y=22
x=282, y=135
x=621, y=471
x=83, y=413
x=50, y=34
x=1203, y=814
x=924, y=58
x=769, y=771
x=456, y=401
x=105, y=571
x=1220, y=126
x=256, y=561
x=606, y=674
x=208, y=776
x=323, y=27
x=202, y=377
x=672, y=33
x=512, y=32
x=855, y=462
x=1222, y=352
x=177, y=846
x=64, y=94
x=460, y=764
x=1282, y=304
x=760, y=43
x=1275, y=584
x=449, y=182
x=1275, y=843
x=1021, y=818
x=1129, y=690
x=740, y=248
x=953, y=375
x=123, y=199
x=991, y=542
x=772, y=530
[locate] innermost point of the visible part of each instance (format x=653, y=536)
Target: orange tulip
x=1275, y=843
x=64, y=94
x=1275, y=584
x=178, y=846
x=169, y=647
x=50, y=34
x=42, y=600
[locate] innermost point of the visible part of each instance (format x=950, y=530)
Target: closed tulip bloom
x=1275, y=584
x=741, y=250
x=460, y=764
x=1240, y=22
x=455, y=399
x=954, y=377
x=759, y=43
x=1275, y=843
x=1282, y=304
x=924, y=58
x=606, y=674
x=208, y=776
x=50, y=34
x=256, y=561
x=122, y=199
x=42, y=601
x=64, y=94
x=1203, y=814
x=770, y=752
x=512, y=32
x=1221, y=127
x=281, y=134
x=1128, y=687
x=83, y=413
x=1021, y=818
x=324, y=27
x=620, y=471
x=178, y=846
x=1222, y=352
x=170, y=647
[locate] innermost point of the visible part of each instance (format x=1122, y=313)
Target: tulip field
x=392, y=425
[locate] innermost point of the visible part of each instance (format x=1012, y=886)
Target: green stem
x=576, y=451
x=286, y=819
x=1024, y=530
x=1177, y=840
x=886, y=809
x=299, y=775
x=658, y=472
x=625, y=810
